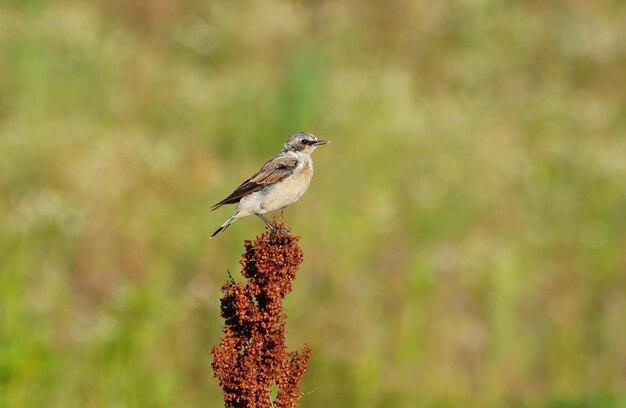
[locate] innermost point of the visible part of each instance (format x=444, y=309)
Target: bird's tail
x=220, y=229
x=225, y=225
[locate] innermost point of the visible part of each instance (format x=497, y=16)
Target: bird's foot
x=283, y=231
x=279, y=229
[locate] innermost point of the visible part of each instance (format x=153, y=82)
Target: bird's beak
x=321, y=142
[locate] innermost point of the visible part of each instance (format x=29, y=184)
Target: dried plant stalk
x=252, y=356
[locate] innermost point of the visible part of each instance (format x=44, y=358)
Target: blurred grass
x=465, y=235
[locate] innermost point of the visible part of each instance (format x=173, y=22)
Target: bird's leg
x=273, y=226
x=267, y=222
x=284, y=231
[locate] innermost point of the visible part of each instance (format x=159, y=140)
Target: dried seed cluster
x=252, y=356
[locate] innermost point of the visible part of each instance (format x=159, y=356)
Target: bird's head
x=303, y=142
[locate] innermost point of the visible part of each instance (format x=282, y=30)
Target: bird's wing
x=272, y=172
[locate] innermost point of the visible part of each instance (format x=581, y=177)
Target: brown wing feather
x=272, y=172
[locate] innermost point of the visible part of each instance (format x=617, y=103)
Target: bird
x=278, y=184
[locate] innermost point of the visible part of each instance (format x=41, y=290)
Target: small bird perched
x=280, y=182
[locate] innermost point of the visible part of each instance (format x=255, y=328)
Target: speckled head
x=303, y=142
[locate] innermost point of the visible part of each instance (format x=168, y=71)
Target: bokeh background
x=464, y=235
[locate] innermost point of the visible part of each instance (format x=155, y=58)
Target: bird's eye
x=308, y=142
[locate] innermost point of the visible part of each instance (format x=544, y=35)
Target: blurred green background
x=464, y=235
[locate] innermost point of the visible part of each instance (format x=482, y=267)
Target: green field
x=464, y=235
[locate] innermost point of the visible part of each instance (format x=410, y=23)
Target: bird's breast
x=289, y=190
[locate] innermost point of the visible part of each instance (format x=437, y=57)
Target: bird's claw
x=280, y=230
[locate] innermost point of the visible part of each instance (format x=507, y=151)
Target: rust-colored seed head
x=252, y=355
